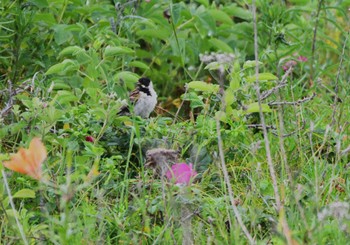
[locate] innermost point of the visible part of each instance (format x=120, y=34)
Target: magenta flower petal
x=289, y=64
x=302, y=58
x=181, y=173
x=89, y=138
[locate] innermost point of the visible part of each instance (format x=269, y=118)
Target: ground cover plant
x=248, y=143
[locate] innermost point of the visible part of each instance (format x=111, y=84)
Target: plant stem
x=314, y=40
x=229, y=187
x=20, y=228
x=262, y=117
x=280, y=207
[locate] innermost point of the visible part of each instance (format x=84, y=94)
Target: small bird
x=144, y=99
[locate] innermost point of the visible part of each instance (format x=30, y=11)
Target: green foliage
x=67, y=66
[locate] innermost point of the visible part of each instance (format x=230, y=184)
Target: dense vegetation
x=253, y=94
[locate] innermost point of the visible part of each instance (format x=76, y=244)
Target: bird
x=144, y=99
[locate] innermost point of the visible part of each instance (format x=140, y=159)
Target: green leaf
x=254, y=107
x=64, y=97
x=62, y=35
x=250, y=64
x=24, y=193
x=17, y=127
x=61, y=85
x=113, y=51
x=221, y=116
x=203, y=87
x=213, y=66
x=128, y=77
x=57, y=68
x=200, y=155
x=235, y=81
x=4, y=132
x=71, y=50
x=236, y=115
x=205, y=24
x=63, y=67
x=220, y=45
x=239, y=12
x=229, y=97
x=45, y=18
x=78, y=52
x=262, y=77
x=221, y=16
x=203, y=2
x=139, y=64
x=195, y=100
x=153, y=33
x=39, y=3
x=52, y=115
x=100, y=113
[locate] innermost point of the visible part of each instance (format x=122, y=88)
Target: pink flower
x=289, y=64
x=89, y=139
x=181, y=172
x=302, y=58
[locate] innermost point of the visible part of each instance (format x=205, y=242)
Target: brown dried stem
x=336, y=97
x=280, y=206
x=229, y=187
x=298, y=102
x=281, y=84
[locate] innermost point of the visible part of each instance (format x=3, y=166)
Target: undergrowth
x=269, y=145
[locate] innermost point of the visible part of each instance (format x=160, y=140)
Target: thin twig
x=11, y=93
x=298, y=102
x=345, y=151
x=291, y=133
x=229, y=187
x=9, y=104
x=281, y=136
x=262, y=117
x=260, y=126
x=227, y=178
x=281, y=84
x=269, y=127
x=312, y=130
x=269, y=92
x=4, y=111
x=336, y=88
x=182, y=103
x=20, y=228
x=280, y=207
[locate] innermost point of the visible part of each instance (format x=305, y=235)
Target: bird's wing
x=134, y=95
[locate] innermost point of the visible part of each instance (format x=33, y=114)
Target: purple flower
x=181, y=172
x=302, y=58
